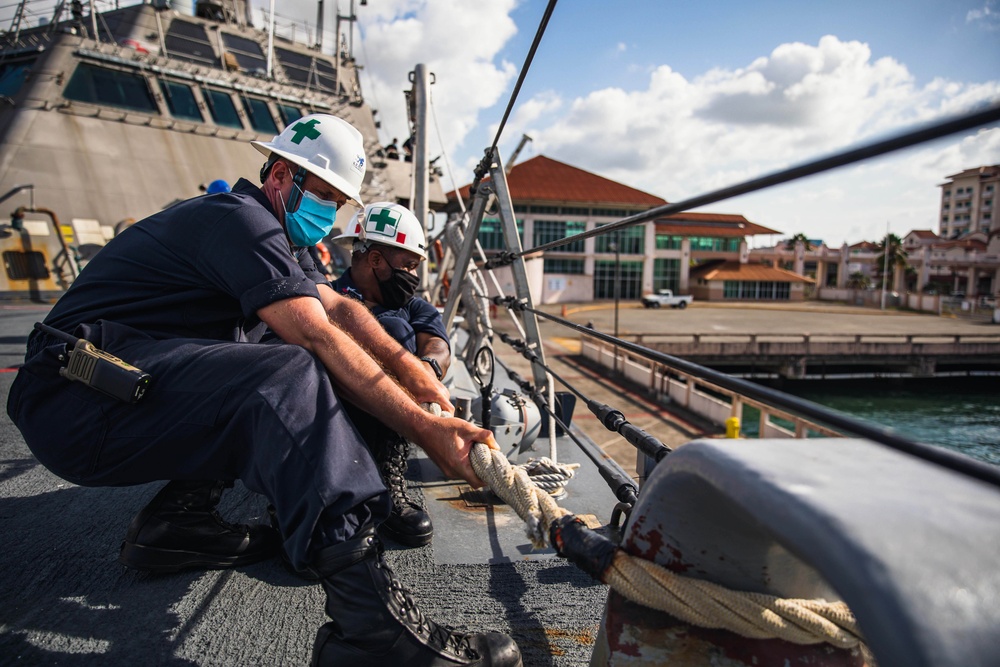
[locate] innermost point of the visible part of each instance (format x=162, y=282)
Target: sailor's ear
x=279, y=170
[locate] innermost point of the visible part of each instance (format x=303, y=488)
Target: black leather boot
x=409, y=524
x=376, y=622
x=180, y=529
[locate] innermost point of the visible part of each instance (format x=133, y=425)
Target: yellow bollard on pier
x=733, y=427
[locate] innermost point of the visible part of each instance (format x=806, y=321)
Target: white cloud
x=987, y=17
x=457, y=41
x=680, y=138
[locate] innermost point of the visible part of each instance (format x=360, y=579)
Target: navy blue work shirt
x=199, y=269
x=421, y=315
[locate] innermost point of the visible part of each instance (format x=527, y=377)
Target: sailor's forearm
x=355, y=319
x=436, y=348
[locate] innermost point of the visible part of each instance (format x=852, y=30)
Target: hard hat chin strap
x=299, y=179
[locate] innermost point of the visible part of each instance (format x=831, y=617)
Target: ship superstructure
x=114, y=115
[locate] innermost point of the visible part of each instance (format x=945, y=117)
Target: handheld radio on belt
x=99, y=370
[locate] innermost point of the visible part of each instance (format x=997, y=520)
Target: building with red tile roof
x=544, y=180
x=553, y=201
x=725, y=280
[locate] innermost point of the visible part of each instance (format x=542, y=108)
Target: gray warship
x=106, y=117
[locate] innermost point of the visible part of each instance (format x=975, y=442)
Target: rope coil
x=548, y=475
x=694, y=601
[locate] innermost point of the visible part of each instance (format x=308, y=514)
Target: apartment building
x=968, y=202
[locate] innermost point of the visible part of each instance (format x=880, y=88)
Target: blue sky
x=934, y=38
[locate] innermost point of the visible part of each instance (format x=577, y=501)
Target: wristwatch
x=435, y=366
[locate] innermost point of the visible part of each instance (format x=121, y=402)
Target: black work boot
x=376, y=622
x=180, y=529
x=409, y=524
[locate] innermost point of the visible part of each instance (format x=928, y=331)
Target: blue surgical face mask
x=311, y=221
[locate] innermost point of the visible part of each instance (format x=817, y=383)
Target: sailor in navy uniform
x=388, y=244
x=186, y=295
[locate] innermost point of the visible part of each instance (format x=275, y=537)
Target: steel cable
x=491, y=151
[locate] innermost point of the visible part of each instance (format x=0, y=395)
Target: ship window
x=13, y=76
x=306, y=70
x=180, y=101
x=260, y=115
x=25, y=265
x=189, y=41
x=289, y=114
x=104, y=86
x=248, y=53
x=326, y=75
x=296, y=65
x=222, y=108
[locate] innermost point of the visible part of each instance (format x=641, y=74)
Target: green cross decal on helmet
x=328, y=147
x=305, y=130
x=386, y=223
x=383, y=221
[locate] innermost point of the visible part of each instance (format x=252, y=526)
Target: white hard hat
x=388, y=224
x=326, y=146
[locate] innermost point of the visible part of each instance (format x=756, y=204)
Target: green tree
x=897, y=256
x=790, y=243
x=859, y=280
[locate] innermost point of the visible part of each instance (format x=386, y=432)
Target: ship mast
x=350, y=18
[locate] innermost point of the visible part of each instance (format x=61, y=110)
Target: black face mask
x=398, y=289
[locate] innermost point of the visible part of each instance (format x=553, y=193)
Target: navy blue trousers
x=266, y=414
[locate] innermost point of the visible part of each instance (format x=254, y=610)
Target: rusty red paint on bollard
x=635, y=635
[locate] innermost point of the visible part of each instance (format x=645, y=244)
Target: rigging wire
x=930, y=132
x=484, y=164
x=444, y=151
x=364, y=50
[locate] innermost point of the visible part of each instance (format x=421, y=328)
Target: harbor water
x=961, y=413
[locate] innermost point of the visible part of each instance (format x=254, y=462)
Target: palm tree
x=859, y=280
x=790, y=243
x=897, y=256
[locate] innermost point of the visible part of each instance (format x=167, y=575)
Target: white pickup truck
x=665, y=297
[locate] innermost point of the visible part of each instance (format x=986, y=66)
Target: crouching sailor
x=186, y=295
x=388, y=244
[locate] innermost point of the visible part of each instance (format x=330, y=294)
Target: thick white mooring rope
x=693, y=601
